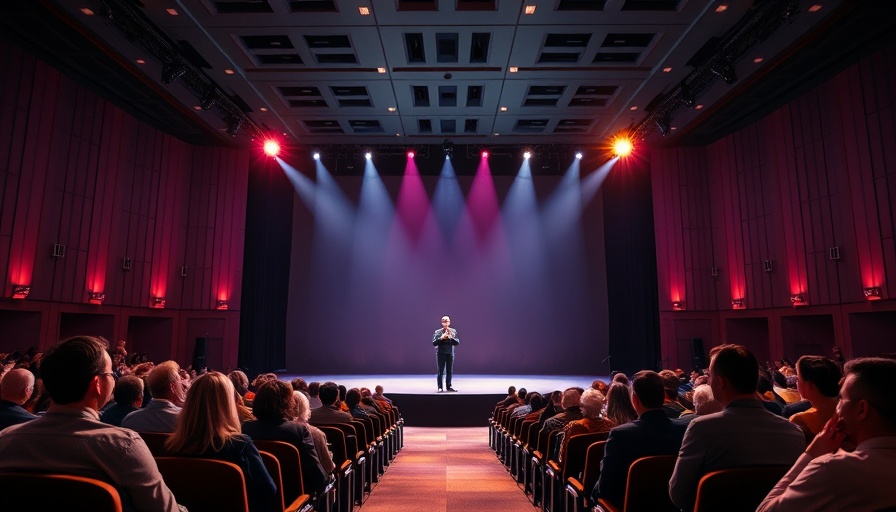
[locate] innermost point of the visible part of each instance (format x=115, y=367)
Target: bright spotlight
x=410, y=154
x=316, y=155
x=485, y=154
x=622, y=147
x=526, y=155
x=271, y=148
x=368, y=155
x=579, y=155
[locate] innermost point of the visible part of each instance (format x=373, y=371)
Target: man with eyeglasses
x=849, y=465
x=71, y=439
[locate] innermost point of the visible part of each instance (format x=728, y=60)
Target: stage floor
x=463, y=383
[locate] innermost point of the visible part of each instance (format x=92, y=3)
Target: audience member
x=329, y=412
x=671, y=405
x=831, y=475
x=591, y=404
x=378, y=394
x=619, y=404
x=240, y=382
x=299, y=384
x=551, y=407
x=168, y=394
x=743, y=434
x=510, y=399
x=71, y=439
x=521, y=395
x=15, y=389
x=314, y=395
x=353, y=401
x=704, y=401
x=526, y=409
x=303, y=414
x=818, y=381
x=600, y=386
x=208, y=427
x=275, y=407
x=571, y=411
x=653, y=433
x=128, y=396
x=621, y=378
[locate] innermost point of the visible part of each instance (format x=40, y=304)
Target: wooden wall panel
x=817, y=173
x=77, y=171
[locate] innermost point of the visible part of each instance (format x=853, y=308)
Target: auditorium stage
x=421, y=405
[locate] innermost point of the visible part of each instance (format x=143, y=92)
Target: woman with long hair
x=619, y=404
x=302, y=415
x=275, y=410
x=208, y=427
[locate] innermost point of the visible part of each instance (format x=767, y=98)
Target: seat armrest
x=575, y=485
x=301, y=504
x=606, y=506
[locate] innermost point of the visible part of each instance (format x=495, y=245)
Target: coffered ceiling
x=394, y=72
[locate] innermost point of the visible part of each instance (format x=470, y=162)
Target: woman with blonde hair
x=208, y=427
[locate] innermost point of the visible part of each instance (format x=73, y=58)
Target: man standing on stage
x=444, y=340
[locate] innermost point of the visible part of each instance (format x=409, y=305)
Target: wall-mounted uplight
x=738, y=304
x=798, y=299
x=872, y=293
x=96, y=297
x=222, y=305
x=678, y=305
x=157, y=302
x=20, y=291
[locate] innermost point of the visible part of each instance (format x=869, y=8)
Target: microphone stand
x=607, y=360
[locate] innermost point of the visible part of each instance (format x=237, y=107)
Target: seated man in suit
x=128, y=396
x=653, y=433
x=827, y=477
x=743, y=434
x=329, y=412
x=15, y=390
x=71, y=439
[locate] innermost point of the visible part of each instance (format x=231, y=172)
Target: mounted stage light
x=622, y=146
x=411, y=153
x=172, y=71
x=368, y=155
x=448, y=148
x=316, y=155
x=579, y=155
x=664, y=125
x=527, y=155
x=724, y=68
x=484, y=154
x=271, y=148
x=233, y=126
x=209, y=98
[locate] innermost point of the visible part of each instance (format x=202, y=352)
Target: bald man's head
x=17, y=386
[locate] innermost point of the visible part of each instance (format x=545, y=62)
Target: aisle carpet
x=446, y=469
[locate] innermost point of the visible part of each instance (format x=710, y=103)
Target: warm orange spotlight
x=271, y=148
x=622, y=147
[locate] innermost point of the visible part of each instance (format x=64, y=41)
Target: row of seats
x=531, y=457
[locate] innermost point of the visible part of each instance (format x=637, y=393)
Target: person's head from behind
x=867, y=406
x=621, y=378
x=240, y=381
x=329, y=393
x=521, y=394
x=164, y=381
x=299, y=384
x=129, y=391
x=378, y=389
x=592, y=403
x=704, y=402
x=670, y=384
x=647, y=391
x=302, y=407
x=817, y=374
x=571, y=398
x=511, y=391
x=733, y=373
x=314, y=389
x=600, y=386
x=274, y=401
x=209, y=417
x=17, y=386
x=352, y=397
x=78, y=370
x=536, y=400
x=619, y=404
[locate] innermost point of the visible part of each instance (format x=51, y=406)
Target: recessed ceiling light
x=398, y=135
x=667, y=69
x=674, y=128
x=263, y=109
x=88, y=12
x=197, y=107
x=391, y=109
x=229, y=71
x=530, y=9
x=172, y=12
x=698, y=107
x=503, y=109
x=141, y=61
x=815, y=8
x=513, y=69
x=365, y=11
x=722, y=8
x=496, y=134
x=634, y=108
x=757, y=60
x=381, y=70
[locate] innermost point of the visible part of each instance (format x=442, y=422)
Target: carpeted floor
x=446, y=469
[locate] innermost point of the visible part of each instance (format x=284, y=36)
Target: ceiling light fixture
x=503, y=109
x=86, y=11
x=667, y=70
x=172, y=12
x=722, y=8
x=815, y=8
x=391, y=109
x=229, y=71
x=514, y=69
x=530, y=9
x=365, y=11
x=381, y=70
